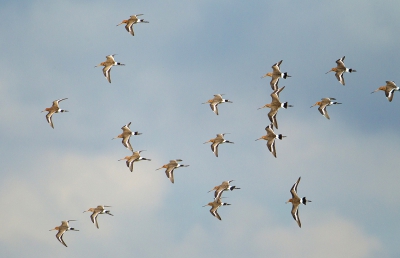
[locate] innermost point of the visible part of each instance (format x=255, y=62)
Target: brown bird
x=276, y=74
x=132, y=20
x=340, y=69
x=62, y=229
x=170, y=168
x=126, y=135
x=96, y=211
x=323, y=104
x=275, y=105
x=295, y=200
x=215, y=101
x=389, y=89
x=214, y=207
x=53, y=109
x=216, y=142
x=134, y=158
x=219, y=189
x=110, y=62
x=270, y=138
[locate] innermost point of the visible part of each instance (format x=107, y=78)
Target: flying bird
x=215, y=101
x=214, y=207
x=323, y=104
x=295, y=200
x=270, y=138
x=216, y=142
x=340, y=69
x=132, y=20
x=276, y=74
x=134, y=158
x=389, y=89
x=126, y=135
x=110, y=62
x=54, y=109
x=170, y=168
x=275, y=105
x=62, y=229
x=96, y=211
x=225, y=186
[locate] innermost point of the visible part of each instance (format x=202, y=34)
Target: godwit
x=214, y=207
x=323, y=104
x=276, y=74
x=223, y=187
x=96, y=211
x=62, y=229
x=126, y=135
x=110, y=62
x=270, y=138
x=215, y=101
x=134, y=158
x=170, y=168
x=54, y=109
x=132, y=20
x=389, y=89
x=340, y=69
x=275, y=105
x=295, y=200
x=217, y=141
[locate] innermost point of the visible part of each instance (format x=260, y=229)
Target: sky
x=189, y=51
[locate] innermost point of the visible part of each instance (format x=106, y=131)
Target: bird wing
x=106, y=72
x=295, y=213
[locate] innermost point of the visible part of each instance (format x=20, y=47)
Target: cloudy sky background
x=187, y=53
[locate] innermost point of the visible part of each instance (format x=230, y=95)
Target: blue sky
x=187, y=53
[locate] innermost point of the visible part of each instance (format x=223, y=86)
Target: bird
x=389, y=89
x=170, y=168
x=219, y=189
x=214, y=207
x=275, y=105
x=270, y=138
x=276, y=74
x=132, y=20
x=295, y=200
x=126, y=135
x=323, y=104
x=217, y=141
x=62, y=229
x=340, y=69
x=110, y=62
x=96, y=211
x=134, y=158
x=54, y=109
x=215, y=101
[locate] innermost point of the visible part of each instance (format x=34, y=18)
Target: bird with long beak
x=214, y=207
x=64, y=227
x=126, y=135
x=389, y=89
x=219, y=189
x=296, y=201
x=270, y=138
x=215, y=101
x=134, y=158
x=323, y=104
x=275, y=75
x=170, y=168
x=108, y=64
x=132, y=20
x=96, y=211
x=340, y=69
x=217, y=141
x=52, y=110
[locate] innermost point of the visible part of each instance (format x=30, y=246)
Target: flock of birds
x=270, y=137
